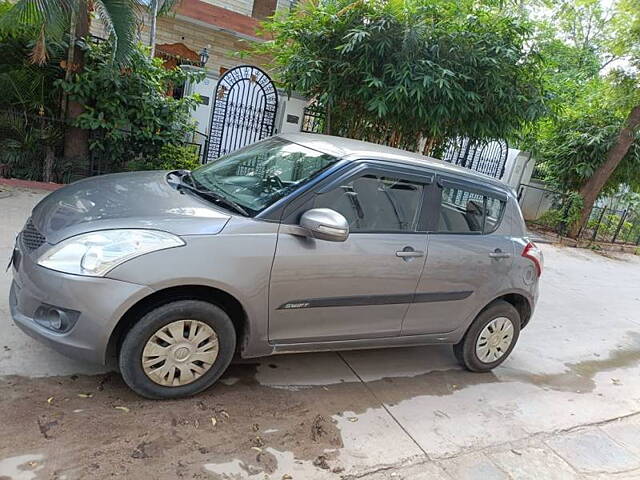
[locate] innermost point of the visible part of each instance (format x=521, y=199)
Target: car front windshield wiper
x=211, y=195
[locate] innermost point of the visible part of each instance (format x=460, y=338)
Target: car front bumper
x=100, y=301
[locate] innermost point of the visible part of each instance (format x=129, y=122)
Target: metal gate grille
x=486, y=156
x=244, y=110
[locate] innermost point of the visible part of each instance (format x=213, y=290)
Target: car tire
x=479, y=355
x=182, y=324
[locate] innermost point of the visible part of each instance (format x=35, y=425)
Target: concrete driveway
x=565, y=405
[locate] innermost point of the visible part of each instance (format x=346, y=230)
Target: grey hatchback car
x=296, y=243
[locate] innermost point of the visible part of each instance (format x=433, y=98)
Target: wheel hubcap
x=494, y=340
x=179, y=353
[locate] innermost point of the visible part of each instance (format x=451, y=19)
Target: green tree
x=625, y=44
x=27, y=87
x=573, y=144
x=68, y=20
x=589, y=144
x=400, y=71
x=128, y=108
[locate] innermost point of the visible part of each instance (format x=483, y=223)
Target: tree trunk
x=49, y=159
x=616, y=153
x=152, y=29
x=76, y=140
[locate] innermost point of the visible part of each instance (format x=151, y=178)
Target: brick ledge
x=16, y=182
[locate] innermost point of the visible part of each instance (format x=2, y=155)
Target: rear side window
x=494, y=209
x=374, y=203
x=464, y=211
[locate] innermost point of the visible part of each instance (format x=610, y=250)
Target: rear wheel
x=490, y=338
x=177, y=350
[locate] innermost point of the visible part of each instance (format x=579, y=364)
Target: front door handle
x=409, y=252
x=497, y=253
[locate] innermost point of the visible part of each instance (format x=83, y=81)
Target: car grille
x=31, y=237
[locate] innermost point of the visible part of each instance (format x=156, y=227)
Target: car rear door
x=470, y=257
x=360, y=288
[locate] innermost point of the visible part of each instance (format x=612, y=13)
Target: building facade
x=223, y=27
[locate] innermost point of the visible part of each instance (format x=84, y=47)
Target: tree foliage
x=52, y=19
x=128, y=109
x=574, y=143
x=25, y=86
x=393, y=72
x=590, y=142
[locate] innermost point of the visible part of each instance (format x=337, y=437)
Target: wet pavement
x=563, y=406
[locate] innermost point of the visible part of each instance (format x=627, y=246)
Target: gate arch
x=244, y=110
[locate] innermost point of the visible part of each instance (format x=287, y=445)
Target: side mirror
x=325, y=224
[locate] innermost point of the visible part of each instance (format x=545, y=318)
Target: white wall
x=518, y=168
x=245, y=7
x=290, y=111
x=202, y=113
x=535, y=201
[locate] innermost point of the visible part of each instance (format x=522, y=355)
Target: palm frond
x=53, y=14
x=39, y=54
x=118, y=17
x=167, y=6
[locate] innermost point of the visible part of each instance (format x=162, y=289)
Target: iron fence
x=484, y=156
x=613, y=225
x=549, y=209
x=313, y=119
x=29, y=145
x=538, y=172
x=32, y=147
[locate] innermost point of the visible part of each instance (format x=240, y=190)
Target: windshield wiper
x=213, y=196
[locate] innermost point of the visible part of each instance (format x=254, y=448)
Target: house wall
x=225, y=27
x=241, y=6
x=245, y=7
x=222, y=46
x=518, y=168
x=535, y=200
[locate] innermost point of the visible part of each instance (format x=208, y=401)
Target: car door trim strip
x=368, y=300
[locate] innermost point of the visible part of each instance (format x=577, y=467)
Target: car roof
x=350, y=149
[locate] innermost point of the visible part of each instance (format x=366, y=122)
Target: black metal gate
x=244, y=110
x=484, y=156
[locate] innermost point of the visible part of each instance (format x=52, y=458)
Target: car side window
x=495, y=208
x=464, y=211
x=376, y=203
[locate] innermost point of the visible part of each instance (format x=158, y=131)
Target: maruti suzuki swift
x=296, y=243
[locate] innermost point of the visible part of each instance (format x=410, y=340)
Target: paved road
x=563, y=406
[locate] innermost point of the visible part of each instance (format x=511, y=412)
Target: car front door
x=470, y=256
x=362, y=287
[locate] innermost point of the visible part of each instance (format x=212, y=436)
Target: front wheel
x=177, y=350
x=490, y=338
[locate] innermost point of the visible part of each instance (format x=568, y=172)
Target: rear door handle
x=497, y=253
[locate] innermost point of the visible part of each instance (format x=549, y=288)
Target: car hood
x=125, y=200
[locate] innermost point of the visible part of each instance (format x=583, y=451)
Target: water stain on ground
x=580, y=376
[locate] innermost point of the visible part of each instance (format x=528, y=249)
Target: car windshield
x=259, y=175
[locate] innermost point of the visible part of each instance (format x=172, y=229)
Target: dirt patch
x=95, y=427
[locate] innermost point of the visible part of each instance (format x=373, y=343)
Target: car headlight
x=96, y=253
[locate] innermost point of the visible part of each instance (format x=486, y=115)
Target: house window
x=264, y=8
